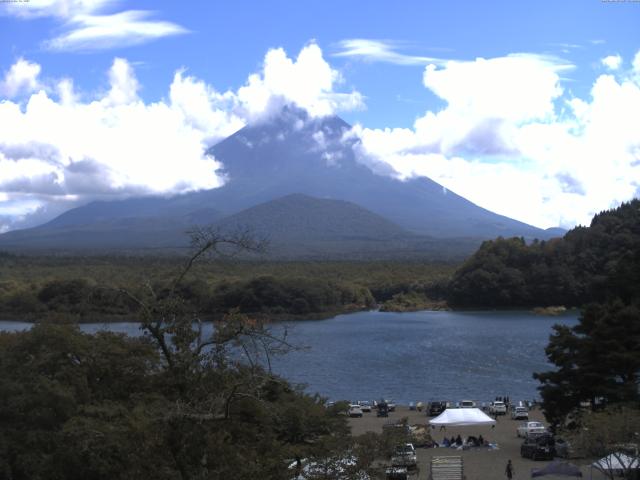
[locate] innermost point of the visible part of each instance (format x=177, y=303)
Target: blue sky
x=492, y=99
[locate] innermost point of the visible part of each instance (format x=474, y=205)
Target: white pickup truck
x=498, y=408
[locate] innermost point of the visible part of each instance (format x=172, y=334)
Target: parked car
x=436, y=408
x=404, y=456
x=355, y=411
x=391, y=405
x=530, y=428
x=520, y=413
x=365, y=405
x=467, y=404
x=539, y=447
x=498, y=408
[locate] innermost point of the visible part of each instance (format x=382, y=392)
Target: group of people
x=458, y=442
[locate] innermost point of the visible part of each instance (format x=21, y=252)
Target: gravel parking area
x=479, y=464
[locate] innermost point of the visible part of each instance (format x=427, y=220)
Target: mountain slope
x=287, y=154
x=296, y=227
x=269, y=160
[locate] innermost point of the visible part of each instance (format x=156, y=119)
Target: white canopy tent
x=617, y=463
x=462, y=417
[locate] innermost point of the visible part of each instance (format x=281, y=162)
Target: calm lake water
x=410, y=356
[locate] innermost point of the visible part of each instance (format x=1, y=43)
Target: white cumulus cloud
x=515, y=88
x=56, y=150
x=509, y=141
x=116, y=144
x=612, y=62
x=22, y=77
x=308, y=82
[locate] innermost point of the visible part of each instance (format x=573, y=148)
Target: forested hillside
x=594, y=263
x=90, y=288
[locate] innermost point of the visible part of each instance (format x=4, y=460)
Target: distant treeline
x=590, y=264
x=104, y=288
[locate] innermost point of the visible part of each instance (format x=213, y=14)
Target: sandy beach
x=479, y=464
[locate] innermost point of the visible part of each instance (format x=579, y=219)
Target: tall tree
x=598, y=360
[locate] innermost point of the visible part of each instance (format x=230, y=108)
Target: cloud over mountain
x=555, y=160
x=62, y=148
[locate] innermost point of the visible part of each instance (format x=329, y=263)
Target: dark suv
x=436, y=408
x=538, y=447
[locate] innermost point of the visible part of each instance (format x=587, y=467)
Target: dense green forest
x=594, y=263
x=90, y=288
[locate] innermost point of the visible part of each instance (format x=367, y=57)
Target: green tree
x=589, y=264
x=54, y=377
x=598, y=360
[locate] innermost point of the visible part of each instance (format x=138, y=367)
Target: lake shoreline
x=310, y=317
x=551, y=311
x=275, y=317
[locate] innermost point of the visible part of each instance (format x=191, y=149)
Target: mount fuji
x=298, y=181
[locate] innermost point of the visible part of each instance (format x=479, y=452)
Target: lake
x=410, y=356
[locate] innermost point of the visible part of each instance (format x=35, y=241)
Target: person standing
x=508, y=471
